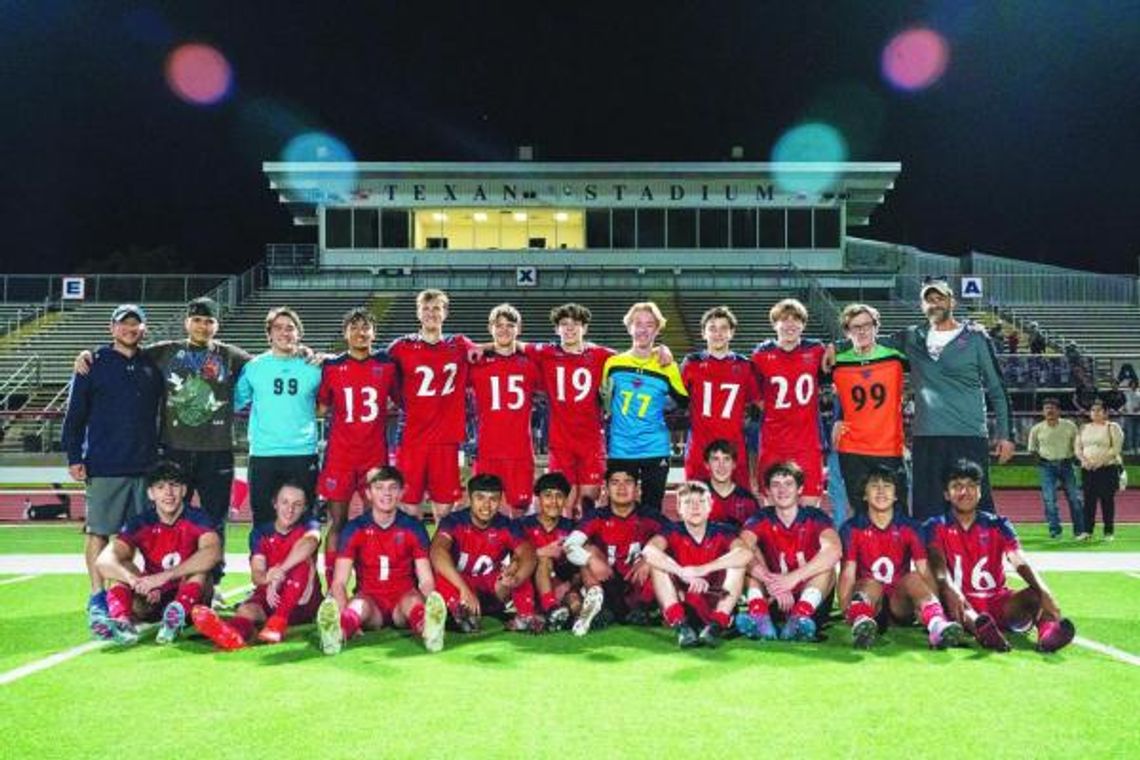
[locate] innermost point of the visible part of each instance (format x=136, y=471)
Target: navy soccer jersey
x=975, y=555
x=621, y=539
x=480, y=551
x=164, y=546
x=735, y=508
x=383, y=557
x=788, y=547
x=882, y=554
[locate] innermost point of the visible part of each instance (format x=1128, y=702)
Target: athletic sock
x=932, y=615
x=548, y=601
x=98, y=599
x=857, y=609
x=188, y=595
x=523, y=597
x=809, y=600
x=758, y=607
x=349, y=622
x=119, y=602
x=416, y=619
x=674, y=614
x=721, y=618
x=292, y=589
x=330, y=566
x=243, y=626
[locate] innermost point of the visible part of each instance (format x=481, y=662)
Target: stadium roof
x=303, y=186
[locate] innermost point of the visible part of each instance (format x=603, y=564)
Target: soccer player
x=282, y=563
x=968, y=549
x=789, y=370
x=179, y=547
x=387, y=551
x=731, y=502
x=616, y=535
x=280, y=387
x=796, y=549
x=481, y=560
x=111, y=438
x=885, y=576
x=433, y=386
x=556, y=579
x=504, y=381
x=721, y=386
x=354, y=393
x=640, y=390
x=697, y=565
x=868, y=380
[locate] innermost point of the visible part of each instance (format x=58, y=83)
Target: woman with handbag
x=1098, y=448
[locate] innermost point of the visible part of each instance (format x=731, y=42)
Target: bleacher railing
x=108, y=288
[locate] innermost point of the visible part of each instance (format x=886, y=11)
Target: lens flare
x=322, y=147
x=811, y=142
x=198, y=74
x=915, y=59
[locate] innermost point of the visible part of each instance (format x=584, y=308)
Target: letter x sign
x=526, y=277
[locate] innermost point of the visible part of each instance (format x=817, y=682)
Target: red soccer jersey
x=504, y=388
x=974, y=557
x=882, y=554
x=688, y=552
x=719, y=392
x=480, y=551
x=165, y=546
x=356, y=392
x=433, y=388
x=788, y=547
x=571, y=382
x=789, y=385
x=275, y=546
x=383, y=558
x=539, y=536
x=620, y=538
x=735, y=509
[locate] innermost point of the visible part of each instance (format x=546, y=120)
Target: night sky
x=1027, y=146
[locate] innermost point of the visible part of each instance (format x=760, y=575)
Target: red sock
x=929, y=611
x=803, y=609
x=859, y=608
x=119, y=602
x=721, y=618
x=674, y=614
x=758, y=607
x=296, y=581
x=700, y=605
x=548, y=601
x=330, y=566
x=523, y=596
x=349, y=622
x=416, y=619
x=242, y=625
x=189, y=594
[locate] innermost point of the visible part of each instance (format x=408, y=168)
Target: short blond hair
x=648, y=306
x=789, y=306
x=505, y=310
x=853, y=310
x=432, y=294
x=692, y=488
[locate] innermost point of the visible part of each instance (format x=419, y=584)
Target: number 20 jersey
x=975, y=555
x=433, y=387
x=789, y=385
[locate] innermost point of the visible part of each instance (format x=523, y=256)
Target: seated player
x=796, y=549
x=967, y=549
x=481, y=560
x=556, y=579
x=731, y=502
x=885, y=576
x=282, y=563
x=387, y=550
x=615, y=536
x=179, y=547
x=698, y=565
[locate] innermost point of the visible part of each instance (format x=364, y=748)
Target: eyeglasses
x=861, y=327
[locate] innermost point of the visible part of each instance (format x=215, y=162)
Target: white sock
x=812, y=596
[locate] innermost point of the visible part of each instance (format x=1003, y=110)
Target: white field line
x=1113, y=652
x=70, y=654
x=1133, y=575
x=17, y=579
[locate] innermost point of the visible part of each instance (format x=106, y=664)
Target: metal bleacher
x=1107, y=329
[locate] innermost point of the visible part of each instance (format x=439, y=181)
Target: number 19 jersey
x=433, y=387
x=571, y=382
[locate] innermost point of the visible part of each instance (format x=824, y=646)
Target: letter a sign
x=971, y=287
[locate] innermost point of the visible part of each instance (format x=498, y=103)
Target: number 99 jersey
x=869, y=389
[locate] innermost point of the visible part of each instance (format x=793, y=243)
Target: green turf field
x=622, y=692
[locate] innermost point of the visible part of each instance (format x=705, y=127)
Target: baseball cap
x=126, y=310
x=203, y=307
x=940, y=286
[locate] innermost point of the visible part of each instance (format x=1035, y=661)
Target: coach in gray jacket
x=954, y=373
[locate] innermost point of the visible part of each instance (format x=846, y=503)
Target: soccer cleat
x=755, y=626
x=686, y=636
x=1082, y=537
x=465, y=621
x=1109, y=537
x=1054, y=635
x=558, y=619
x=863, y=632
x=637, y=616
x=123, y=632
x=526, y=624
x=798, y=628
x=99, y=624
x=173, y=619
x=988, y=634
x=274, y=630
x=215, y=629
x=435, y=621
x=328, y=625
x=710, y=635
x=946, y=634
x=591, y=606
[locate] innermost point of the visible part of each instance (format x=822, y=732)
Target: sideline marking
x=1113, y=652
x=1133, y=575
x=22, y=578
x=69, y=654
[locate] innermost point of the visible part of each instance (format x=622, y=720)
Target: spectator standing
x=1098, y=448
x=1053, y=440
x=1132, y=420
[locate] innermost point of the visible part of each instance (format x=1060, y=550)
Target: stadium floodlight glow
x=439, y=216
x=561, y=216
x=479, y=216
x=519, y=216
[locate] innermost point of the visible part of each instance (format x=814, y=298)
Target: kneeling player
x=282, y=563
x=795, y=549
x=877, y=583
x=556, y=578
x=967, y=549
x=704, y=562
x=387, y=550
x=469, y=546
x=179, y=546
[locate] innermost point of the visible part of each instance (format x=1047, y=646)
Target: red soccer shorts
x=386, y=600
x=483, y=586
x=341, y=478
x=583, y=464
x=433, y=469
x=304, y=612
x=994, y=606
x=517, y=476
x=811, y=462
